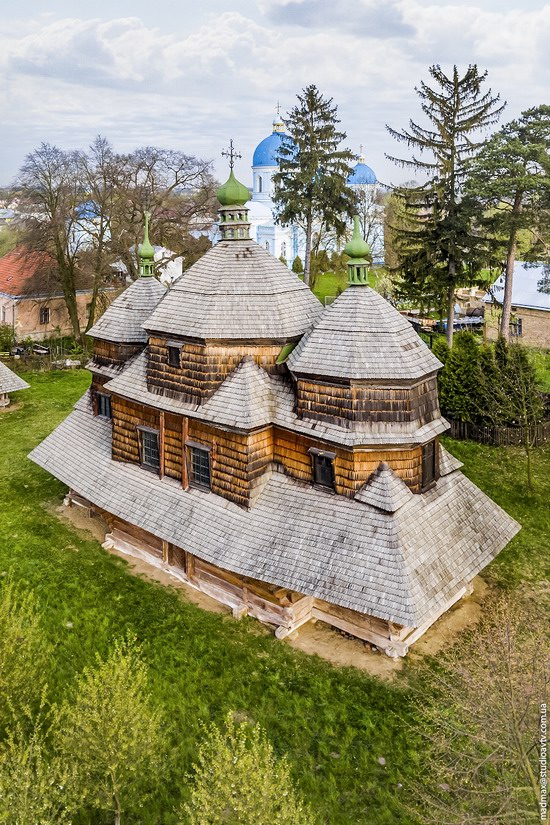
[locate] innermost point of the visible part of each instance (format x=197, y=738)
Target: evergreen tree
x=310, y=187
x=239, y=781
x=438, y=240
x=297, y=265
x=459, y=380
x=510, y=178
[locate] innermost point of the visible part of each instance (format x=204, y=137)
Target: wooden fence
x=499, y=436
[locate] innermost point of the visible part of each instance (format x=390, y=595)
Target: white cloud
x=66, y=80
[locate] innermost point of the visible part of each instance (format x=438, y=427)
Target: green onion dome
x=233, y=193
x=357, y=248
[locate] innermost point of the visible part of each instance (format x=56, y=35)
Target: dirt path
x=317, y=639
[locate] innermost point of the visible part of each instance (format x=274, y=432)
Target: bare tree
x=481, y=717
x=85, y=208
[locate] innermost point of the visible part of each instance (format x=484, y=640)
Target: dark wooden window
x=428, y=464
x=104, y=405
x=323, y=470
x=200, y=466
x=174, y=356
x=44, y=315
x=149, y=448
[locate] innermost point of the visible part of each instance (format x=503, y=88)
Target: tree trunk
x=307, y=261
x=450, y=309
x=510, y=262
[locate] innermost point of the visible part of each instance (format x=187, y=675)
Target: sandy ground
x=318, y=638
x=12, y=407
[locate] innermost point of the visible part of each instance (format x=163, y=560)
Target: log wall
x=343, y=404
x=281, y=607
x=203, y=368
x=109, y=353
x=352, y=468
x=127, y=415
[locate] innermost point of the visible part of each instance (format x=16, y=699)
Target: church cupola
x=146, y=253
x=359, y=252
x=232, y=197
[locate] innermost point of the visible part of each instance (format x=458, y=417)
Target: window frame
x=44, y=311
x=144, y=430
x=429, y=478
x=174, y=348
x=106, y=399
x=318, y=456
x=191, y=446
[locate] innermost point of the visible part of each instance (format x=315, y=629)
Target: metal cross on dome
x=231, y=154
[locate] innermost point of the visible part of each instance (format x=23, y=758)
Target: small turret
x=358, y=251
x=146, y=253
x=232, y=197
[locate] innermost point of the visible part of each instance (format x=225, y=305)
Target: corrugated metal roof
x=525, y=289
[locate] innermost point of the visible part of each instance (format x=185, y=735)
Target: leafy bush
x=487, y=384
x=7, y=337
x=297, y=265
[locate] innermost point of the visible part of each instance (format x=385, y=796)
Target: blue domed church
x=287, y=241
x=280, y=241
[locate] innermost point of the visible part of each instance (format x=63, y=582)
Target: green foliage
x=441, y=350
x=297, y=265
x=7, y=337
x=111, y=732
x=435, y=244
x=35, y=786
x=8, y=240
x=311, y=183
x=24, y=651
x=459, y=379
x=283, y=260
x=239, y=781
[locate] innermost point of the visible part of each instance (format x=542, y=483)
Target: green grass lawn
x=333, y=723
x=332, y=283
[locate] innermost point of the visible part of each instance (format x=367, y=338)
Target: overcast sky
x=143, y=73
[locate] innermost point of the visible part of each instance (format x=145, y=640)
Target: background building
x=530, y=306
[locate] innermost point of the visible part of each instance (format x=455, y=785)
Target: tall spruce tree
x=438, y=240
x=510, y=178
x=310, y=188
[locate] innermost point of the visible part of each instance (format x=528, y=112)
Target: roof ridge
x=384, y=489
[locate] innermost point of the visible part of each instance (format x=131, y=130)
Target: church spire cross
x=278, y=109
x=231, y=153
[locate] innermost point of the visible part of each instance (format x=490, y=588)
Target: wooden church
x=280, y=456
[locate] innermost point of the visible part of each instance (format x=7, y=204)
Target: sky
x=192, y=75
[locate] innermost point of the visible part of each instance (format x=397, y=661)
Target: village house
x=280, y=456
x=31, y=297
x=530, y=321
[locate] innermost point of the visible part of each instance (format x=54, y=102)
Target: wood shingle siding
x=203, y=368
x=347, y=404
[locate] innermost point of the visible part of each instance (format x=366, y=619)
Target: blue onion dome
x=266, y=152
x=361, y=173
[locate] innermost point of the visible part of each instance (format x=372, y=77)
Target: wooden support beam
x=161, y=444
x=165, y=551
x=189, y=565
x=184, y=438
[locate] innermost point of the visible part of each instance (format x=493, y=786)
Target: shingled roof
x=237, y=290
x=384, y=490
x=122, y=321
x=131, y=383
x=361, y=336
x=9, y=381
x=404, y=567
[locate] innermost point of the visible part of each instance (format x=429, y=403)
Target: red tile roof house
x=31, y=296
